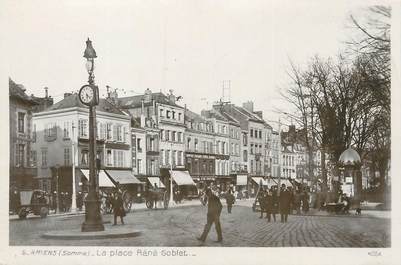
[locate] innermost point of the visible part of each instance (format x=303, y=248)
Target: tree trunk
x=323, y=169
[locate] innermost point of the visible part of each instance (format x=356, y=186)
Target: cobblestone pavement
x=242, y=228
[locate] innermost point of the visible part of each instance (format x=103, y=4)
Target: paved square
x=243, y=228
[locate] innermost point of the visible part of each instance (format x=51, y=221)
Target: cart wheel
x=43, y=212
x=165, y=201
x=127, y=198
x=22, y=213
x=149, y=204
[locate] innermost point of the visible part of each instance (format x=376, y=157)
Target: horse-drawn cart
x=155, y=195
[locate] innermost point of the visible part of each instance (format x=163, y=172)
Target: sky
x=189, y=46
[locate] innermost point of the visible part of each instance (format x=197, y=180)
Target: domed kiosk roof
x=349, y=157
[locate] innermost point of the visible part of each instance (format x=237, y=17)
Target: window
x=118, y=157
x=251, y=132
x=179, y=158
x=84, y=157
x=189, y=143
x=174, y=154
x=162, y=156
x=21, y=122
x=20, y=155
x=162, y=134
x=237, y=149
x=66, y=156
x=179, y=137
x=138, y=145
x=260, y=134
x=167, y=114
x=108, y=157
x=167, y=152
x=161, y=111
x=44, y=157
x=244, y=140
x=119, y=133
x=173, y=116
x=196, y=145
x=167, y=135
x=245, y=156
x=83, y=128
x=139, y=166
x=232, y=148
x=179, y=116
x=33, y=158
x=34, y=133
x=108, y=131
x=66, y=130
x=251, y=149
x=102, y=131
x=173, y=133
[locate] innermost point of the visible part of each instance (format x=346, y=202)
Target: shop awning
x=265, y=182
x=182, y=177
x=123, y=177
x=157, y=181
x=104, y=180
x=242, y=180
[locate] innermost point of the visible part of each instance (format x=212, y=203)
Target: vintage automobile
x=33, y=201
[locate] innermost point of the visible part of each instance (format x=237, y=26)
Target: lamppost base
x=93, y=218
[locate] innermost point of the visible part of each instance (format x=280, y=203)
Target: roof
x=18, y=91
x=73, y=101
x=136, y=101
x=228, y=117
x=214, y=114
x=190, y=115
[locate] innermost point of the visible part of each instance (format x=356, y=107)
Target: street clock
x=88, y=95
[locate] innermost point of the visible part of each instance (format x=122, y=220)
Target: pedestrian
x=285, y=200
x=261, y=197
x=230, y=199
x=269, y=205
x=213, y=216
x=275, y=202
x=297, y=201
x=305, y=201
x=118, y=207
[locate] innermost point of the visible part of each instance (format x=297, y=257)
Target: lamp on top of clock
x=89, y=96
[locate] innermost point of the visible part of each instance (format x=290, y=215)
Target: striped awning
x=157, y=181
x=104, y=180
x=123, y=177
x=182, y=177
x=242, y=180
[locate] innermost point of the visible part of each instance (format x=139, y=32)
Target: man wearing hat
x=285, y=201
x=213, y=215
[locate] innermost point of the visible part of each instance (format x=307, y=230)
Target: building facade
x=62, y=143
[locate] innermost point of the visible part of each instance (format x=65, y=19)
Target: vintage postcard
x=201, y=132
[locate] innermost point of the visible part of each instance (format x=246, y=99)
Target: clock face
x=86, y=94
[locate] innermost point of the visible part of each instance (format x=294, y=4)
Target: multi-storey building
x=159, y=113
x=22, y=157
x=221, y=147
x=62, y=144
x=199, y=147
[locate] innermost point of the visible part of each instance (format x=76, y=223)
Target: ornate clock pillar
x=89, y=96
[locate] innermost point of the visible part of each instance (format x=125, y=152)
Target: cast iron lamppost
x=89, y=96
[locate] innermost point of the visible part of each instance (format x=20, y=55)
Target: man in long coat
x=118, y=208
x=213, y=216
x=285, y=201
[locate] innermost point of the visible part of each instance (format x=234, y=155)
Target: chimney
x=148, y=95
x=46, y=92
x=171, y=96
x=248, y=106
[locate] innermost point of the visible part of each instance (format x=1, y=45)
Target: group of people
x=272, y=202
